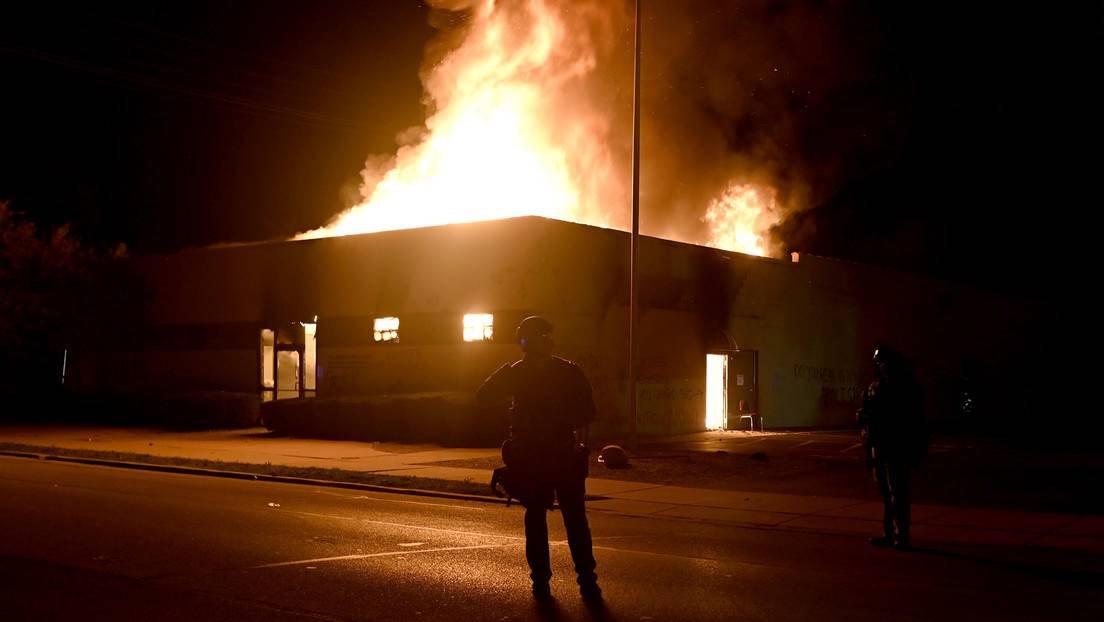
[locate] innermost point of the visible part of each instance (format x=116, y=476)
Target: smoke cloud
x=762, y=103
x=778, y=94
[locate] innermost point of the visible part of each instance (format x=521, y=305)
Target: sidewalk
x=932, y=524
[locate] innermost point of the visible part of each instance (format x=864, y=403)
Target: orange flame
x=512, y=132
x=741, y=218
x=509, y=137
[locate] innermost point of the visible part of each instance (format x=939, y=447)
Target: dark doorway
x=743, y=391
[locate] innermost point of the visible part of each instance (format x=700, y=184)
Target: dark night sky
x=165, y=125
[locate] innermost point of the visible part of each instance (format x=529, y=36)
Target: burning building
x=725, y=339
x=507, y=201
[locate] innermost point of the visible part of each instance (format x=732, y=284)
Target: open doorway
x=732, y=391
x=716, y=391
x=268, y=364
x=288, y=372
x=288, y=361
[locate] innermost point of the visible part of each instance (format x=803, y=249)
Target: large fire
x=513, y=130
x=741, y=218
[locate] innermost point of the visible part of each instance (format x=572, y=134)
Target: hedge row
x=444, y=418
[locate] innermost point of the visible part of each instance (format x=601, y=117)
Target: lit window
x=386, y=329
x=478, y=327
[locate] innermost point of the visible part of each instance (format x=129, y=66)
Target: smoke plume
x=751, y=112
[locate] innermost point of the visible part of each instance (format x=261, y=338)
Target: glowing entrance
x=716, y=391
x=287, y=374
x=268, y=363
x=288, y=361
x=310, y=355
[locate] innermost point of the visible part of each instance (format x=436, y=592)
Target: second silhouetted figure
x=895, y=439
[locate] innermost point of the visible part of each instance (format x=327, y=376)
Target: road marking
x=613, y=537
x=446, y=549
x=652, y=553
x=384, y=554
x=390, y=524
x=691, y=558
x=804, y=444
x=855, y=446
x=442, y=505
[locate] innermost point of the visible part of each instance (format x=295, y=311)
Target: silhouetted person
x=550, y=404
x=895, y=439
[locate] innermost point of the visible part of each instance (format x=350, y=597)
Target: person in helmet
x=551, y=402
x=895, y=439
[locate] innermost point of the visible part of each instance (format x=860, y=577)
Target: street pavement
x=934, y=524
x=99, y=543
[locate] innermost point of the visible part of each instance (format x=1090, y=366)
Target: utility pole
x=635, y=235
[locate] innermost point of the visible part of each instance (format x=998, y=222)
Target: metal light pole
x=633, y=302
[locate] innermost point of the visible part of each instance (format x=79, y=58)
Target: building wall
x=813, y=323
x=171, y=371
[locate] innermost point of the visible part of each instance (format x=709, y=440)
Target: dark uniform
x=895, y=440
x=551, y=398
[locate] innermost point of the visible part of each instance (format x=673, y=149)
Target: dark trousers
x=573, y=507
x=894, y=480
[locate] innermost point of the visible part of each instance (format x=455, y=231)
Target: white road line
x=442, y=505
x=855, y=446
x=691, y=558
x=653, y=553
x=596, y=538
x=384, y=554
x=447, y=549
x=804, y=444
x=390, y=524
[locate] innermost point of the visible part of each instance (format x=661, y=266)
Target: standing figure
x=895, y=438
x=551, y=404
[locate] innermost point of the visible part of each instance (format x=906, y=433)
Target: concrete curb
x=283, y=479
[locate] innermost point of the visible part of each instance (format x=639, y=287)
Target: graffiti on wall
x=664, y=404
x=838, y=386
x=602, y=384
x=670, y=405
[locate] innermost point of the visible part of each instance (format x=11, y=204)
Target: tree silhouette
x=55, y=293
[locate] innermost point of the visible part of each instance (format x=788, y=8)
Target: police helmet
x=888, y=357
x=532, y=328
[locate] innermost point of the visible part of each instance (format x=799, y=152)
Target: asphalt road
x=97, y=543
x=1031, y=475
